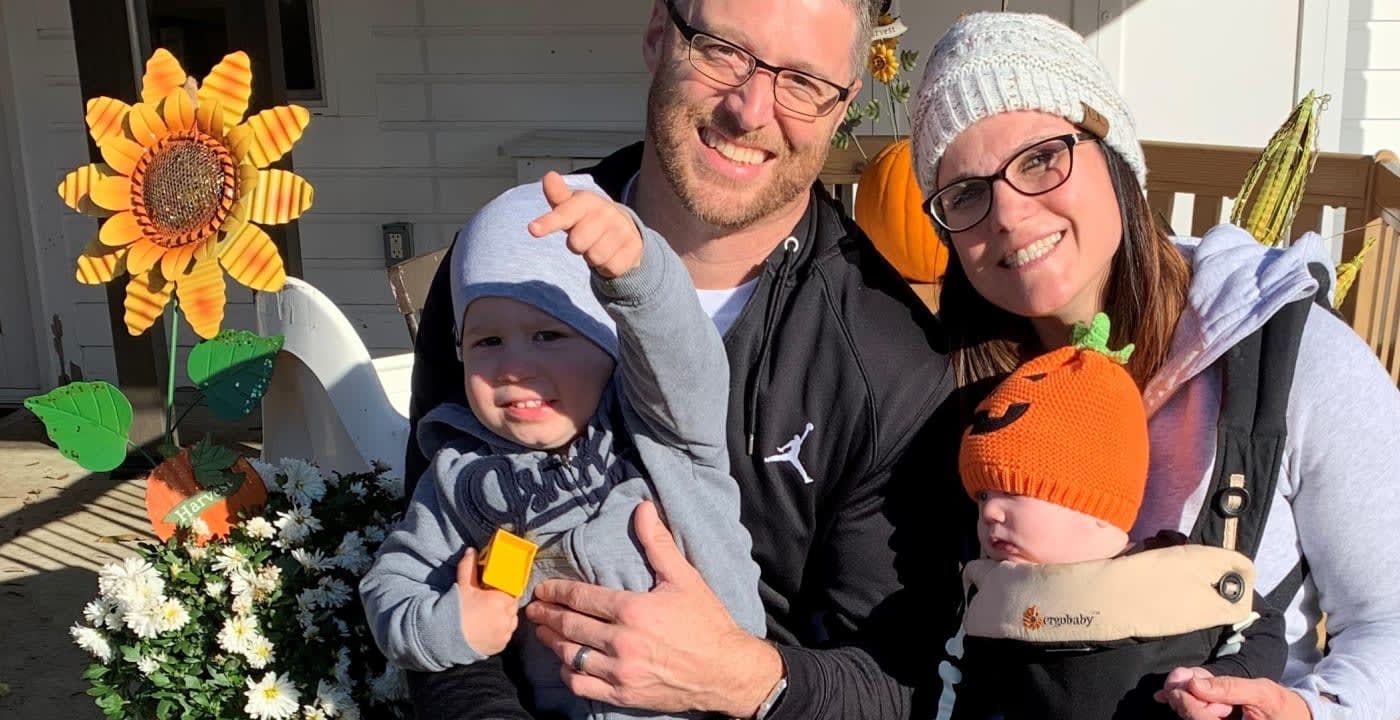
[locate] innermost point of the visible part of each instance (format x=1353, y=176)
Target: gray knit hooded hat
x=497, y=256
x=990, y=63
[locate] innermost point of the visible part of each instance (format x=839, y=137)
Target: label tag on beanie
x=1093, y=121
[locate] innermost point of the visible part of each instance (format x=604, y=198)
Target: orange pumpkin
x=173, y=482
x=889, y=208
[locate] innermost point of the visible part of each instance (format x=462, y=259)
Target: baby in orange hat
x=1065, y=617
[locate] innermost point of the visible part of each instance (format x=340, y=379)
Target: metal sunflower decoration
x=184, y=189
x=885, y=62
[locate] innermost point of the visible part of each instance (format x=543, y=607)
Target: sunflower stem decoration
x=885, y=62
x=182, y=191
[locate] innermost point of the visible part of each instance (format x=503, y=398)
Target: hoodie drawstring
x=790, y=247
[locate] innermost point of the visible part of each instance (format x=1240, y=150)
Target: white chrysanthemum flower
x=391, y=485
x=304, y=483
x=242, y=605
x=173, y=615
x=267, y=472
x=274, y=697
x=351, y=555
x=200, y=528
x=230, y=559
x=313, y=560
x=351, y=712
x=131, y=578
x=139, y=594
x=389, y=686
x=341, y=627
x=259, y=652
x=295, y=525
x=309, y=712
x=148, y=664
x=342, y=669
x=375, y=534
x=310, y=599
x=306, y=618
x=357, y=489
x=146, y=621
x=215, y=588
x=260, y=528
x=333, y=698
x=337, y=592
x=238, y=634
x=268, y=580
x=96, y=611
x=92, y=640
x=196, y=552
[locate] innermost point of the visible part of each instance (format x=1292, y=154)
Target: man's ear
x=840, y=111
x=654, y=36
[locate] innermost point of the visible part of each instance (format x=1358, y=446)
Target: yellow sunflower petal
x=143, y=256
x=121, y=153
x=178, y=110
x=271, y=133
x=231, y=84
x=202, y=297
x=279, y=197
x=163, y=74
x=100, y=263
x=237, y=217
x=76, y=188
x=112, y=193
x=176, y=261
x=251, y=258
x=105, y=117
x=247, y=179
x=209, y=117
x=146, y=296
x=120, y=230
x=145, y=124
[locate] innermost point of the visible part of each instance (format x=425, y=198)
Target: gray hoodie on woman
x=658, y=434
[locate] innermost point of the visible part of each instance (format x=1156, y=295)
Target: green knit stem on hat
x=1094, y=336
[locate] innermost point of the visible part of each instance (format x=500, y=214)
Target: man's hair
x=867, y=11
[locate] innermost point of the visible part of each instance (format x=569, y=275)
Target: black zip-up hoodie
x=834, y=361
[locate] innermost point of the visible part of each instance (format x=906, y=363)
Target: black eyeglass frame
x=689, y=33
x=1070, y=140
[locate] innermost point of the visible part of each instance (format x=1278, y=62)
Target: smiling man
x=837, y=399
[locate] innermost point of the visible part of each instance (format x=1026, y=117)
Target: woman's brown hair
x=1144, y=297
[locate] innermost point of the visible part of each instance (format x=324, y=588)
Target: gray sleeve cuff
x=636, y=285
x=440, y=640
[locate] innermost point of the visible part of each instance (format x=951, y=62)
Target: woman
x=1033, y=173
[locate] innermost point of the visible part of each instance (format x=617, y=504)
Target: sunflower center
x=185, y=183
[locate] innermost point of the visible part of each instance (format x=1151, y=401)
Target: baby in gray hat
x=594, y=381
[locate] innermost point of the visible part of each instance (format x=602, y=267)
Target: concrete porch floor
x=58, y=525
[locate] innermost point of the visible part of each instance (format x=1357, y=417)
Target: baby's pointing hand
x=598, y=228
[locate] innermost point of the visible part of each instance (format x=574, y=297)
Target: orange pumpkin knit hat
x=1068, y=427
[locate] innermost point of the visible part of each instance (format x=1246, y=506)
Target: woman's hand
x=671, y=650
x=1259, y=698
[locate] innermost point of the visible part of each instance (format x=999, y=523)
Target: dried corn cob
x=1347, y=271
x=1273, y=187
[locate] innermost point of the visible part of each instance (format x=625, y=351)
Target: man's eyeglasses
x=728, y=64
x=1036, y=170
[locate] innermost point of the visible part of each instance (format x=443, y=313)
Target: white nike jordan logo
x=789, y=453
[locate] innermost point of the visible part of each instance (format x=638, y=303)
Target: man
x=836, y=370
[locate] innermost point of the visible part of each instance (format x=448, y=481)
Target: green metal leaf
x=89, y=421
x=233, y=369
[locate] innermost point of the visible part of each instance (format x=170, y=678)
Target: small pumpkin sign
x=205, y=482
x=889, y=208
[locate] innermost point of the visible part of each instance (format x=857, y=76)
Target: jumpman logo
x=789, y=453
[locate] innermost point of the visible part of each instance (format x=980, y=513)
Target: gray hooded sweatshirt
x=658, y=433
x=1337, y=498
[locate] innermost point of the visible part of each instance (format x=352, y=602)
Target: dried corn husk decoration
x=1273, y=188
x=1347, y=271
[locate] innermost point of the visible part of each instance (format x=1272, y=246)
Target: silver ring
x=580, y=657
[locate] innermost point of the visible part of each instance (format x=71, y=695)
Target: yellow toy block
x=506, y=561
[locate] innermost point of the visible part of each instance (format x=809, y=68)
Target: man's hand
x=671, y=650
x=1258, y=698
x=598, y=228
x=1178, y=679
x=489, y=616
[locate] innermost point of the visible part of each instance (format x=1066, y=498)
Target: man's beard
x=671, y=125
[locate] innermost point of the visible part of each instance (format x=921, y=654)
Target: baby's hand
x=489, y=616
x=598, y=228
x=1175, y=693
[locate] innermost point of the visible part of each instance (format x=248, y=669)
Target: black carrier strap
x=1256, y=378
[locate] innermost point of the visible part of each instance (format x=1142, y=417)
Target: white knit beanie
x=989, y=63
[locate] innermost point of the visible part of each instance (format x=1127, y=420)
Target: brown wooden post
x=106, y=67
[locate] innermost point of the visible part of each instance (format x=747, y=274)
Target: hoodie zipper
x=790, y=248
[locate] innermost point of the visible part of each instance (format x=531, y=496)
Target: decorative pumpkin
x=889, y=208
x=175, y=481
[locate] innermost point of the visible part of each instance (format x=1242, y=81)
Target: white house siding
x=18, y=373
x=1371, y=112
